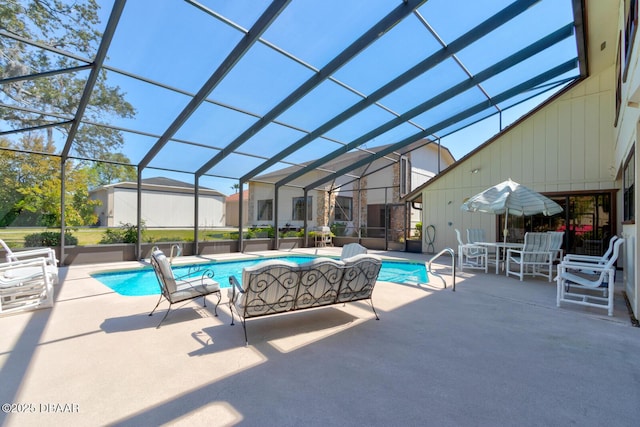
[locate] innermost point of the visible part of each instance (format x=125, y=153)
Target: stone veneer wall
x=251, y=208
x=323, y=208
x=398, y=213
x=360, y=221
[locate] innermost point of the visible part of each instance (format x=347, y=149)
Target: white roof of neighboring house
x=161, y=184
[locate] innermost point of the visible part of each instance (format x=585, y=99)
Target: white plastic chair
x=533, y=259
x=25, y=285
x=48, y=254
x=575, y=288
x=556, y=239
x=471, y=256
x=478, y=235
x=475, y=235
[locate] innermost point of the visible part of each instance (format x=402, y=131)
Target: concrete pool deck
x=496, y=351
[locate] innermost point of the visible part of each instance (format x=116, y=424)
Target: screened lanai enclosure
x=215, y=123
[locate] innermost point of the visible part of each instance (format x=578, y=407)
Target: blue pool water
x=141, y=282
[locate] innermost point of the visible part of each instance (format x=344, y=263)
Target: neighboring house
x=232, y=208
x=355, y=203
x=578, y=148
x=165, y=203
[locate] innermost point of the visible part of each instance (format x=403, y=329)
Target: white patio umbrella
x=509, y=197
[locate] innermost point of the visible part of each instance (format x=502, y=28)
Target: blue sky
x=176, y=44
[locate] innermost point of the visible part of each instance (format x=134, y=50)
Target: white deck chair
x=471, y=256
x=25, y=285
x=533, y=259
x=352, y=249
x=574, y=288
x=48, y=254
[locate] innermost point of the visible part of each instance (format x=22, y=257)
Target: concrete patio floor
x=496, y=351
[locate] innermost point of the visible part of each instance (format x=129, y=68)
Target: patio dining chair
x=478, y=235
x=176, y=290
x=471, y=256
x=534, y=259
x=475, y=235
x=556, y=239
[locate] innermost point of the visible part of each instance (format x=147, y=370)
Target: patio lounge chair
x=569, y=280
x=471, y=256
x=352, y=249
x=25, y=285
x=534, y=259
x=177, y=290
x=48, y=254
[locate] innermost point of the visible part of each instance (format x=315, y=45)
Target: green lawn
x=91, y=236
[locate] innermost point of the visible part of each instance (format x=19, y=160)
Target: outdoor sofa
x=275, y=286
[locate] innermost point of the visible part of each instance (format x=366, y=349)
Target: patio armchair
x=176, y=290
x=576, y=287
x=478, y=235
x=534, y=259
x=48, y=254
x=352, y=249
x=556, y=239
x=475, y=235
x=471, y=256
x=25, y=285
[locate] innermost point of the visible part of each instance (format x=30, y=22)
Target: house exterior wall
x=232, y=216
x=565, y=146
x=103, y=211
x=264, y=191
x=379, y=188
x=573, y=143
x=160, y=208
x=626, y=141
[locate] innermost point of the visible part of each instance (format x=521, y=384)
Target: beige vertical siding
x=565, y=146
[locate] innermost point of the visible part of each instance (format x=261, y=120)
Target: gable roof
x=352, y=157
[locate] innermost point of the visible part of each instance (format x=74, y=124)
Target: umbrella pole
x=506, y=221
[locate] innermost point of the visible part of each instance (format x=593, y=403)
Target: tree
x=31, y=187
x=103, y=173
x=70, y=26
x=30, y=190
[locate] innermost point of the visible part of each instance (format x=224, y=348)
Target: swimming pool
x=141, y=282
